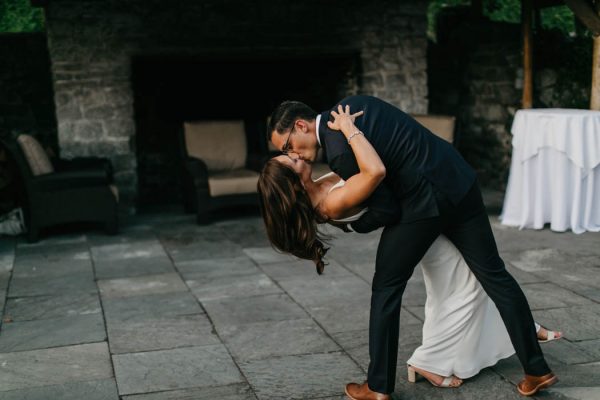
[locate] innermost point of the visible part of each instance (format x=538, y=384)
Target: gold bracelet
x=354, y=134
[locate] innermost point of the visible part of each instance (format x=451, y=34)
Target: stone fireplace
x=126, y=74
x=169, y=90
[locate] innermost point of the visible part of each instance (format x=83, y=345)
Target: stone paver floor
x=171, y=310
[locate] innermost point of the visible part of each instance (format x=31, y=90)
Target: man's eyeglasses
x=286, y=146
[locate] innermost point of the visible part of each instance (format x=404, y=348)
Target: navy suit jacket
x=418, y=163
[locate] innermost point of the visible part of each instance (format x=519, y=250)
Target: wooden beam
x=526, y=15
x=595, y=90
x=584, y=10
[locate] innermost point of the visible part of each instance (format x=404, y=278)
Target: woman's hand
x=343, y=120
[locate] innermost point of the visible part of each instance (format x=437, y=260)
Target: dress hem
x=460, y=374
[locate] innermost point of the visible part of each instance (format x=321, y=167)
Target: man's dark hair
x=284, y=116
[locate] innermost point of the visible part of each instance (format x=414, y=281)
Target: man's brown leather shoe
x=362, y=392
x=530, y=385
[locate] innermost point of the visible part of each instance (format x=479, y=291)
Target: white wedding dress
x=463, y=332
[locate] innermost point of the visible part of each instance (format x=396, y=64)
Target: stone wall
x=26, y=98
x=473, y=72
x=92, y=43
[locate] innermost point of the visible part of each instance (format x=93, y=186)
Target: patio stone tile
x=220, y=267
x=175, y=369
x=515, y=240
x=591, y=347
x=304, y=269
x=136, y=286
x=81, y=282
x=133, y=267
x=232, y=286
x=250, y=233
x=128, y=233
x=356, y=343
x=361, y=263
x=54, y=244
x=139, y=308
x=338, y=397
x=277, y=378
x=576, y=323
x=532, y=260
x=7, y=245
x=548, y=295
x=230, y=392
x=583, y=375
x=128, y=250
x=105, y=389
x=415, y=293
x=55, y=366
x=160, y=334
x=7, y=259
x=4, y=278
x=186, y=232
x=343, y=316
x=523, y=277
x=315, y=290
x=50, y=307
x=53, y=254
x=417, y=311
x=568, y=353
x=208, y=248
x=590, y=292
x=52, y=269
x=281, y=338
x=240, y=311
x=577, y=393
x=39, y=334
x=267, y=254
x=471, y=389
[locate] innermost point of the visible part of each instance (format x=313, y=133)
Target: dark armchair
x=218, y=171
x=77, y=190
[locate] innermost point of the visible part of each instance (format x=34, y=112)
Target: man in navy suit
x=429, y=190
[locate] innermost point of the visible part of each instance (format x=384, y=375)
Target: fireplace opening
x=169, y=90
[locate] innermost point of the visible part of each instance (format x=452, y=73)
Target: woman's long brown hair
x=290, y=219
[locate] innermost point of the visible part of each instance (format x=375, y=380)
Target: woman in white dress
x=462, y=332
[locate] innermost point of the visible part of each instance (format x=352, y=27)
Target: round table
x=555, y=171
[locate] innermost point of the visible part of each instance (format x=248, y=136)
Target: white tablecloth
x=555, y=171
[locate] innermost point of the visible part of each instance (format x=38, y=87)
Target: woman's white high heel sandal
x=550, y=335
x=446, y=383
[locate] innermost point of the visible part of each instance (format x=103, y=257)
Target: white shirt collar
x=318, y=121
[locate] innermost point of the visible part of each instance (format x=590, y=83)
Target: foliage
x=559, y=17
x=20, y=16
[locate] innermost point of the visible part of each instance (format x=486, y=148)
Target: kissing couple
x=389, y=171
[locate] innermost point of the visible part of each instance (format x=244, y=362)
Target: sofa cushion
x=36, y=157
x=220, y=144
x=239, y=181
x=440, y=125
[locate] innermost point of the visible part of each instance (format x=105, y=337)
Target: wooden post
x=526, y=14
x=595, y=94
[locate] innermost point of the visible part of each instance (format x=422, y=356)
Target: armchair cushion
x=441, y=125
x=239, y=181
x=220, y=144
x=36, y=157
